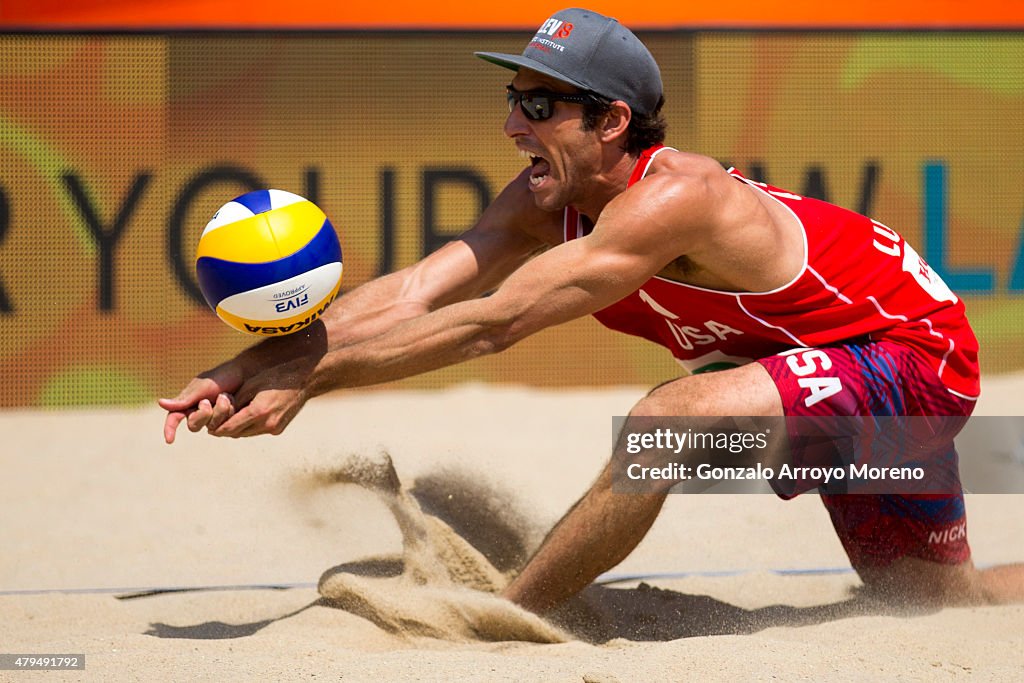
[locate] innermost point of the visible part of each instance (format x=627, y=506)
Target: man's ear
x=615, y=121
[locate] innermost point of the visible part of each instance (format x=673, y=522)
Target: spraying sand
x=202, y=559
x=446, y=586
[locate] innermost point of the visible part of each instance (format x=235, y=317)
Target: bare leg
x=912, y=581
x=1002, y=584
x=595, y=535
x=602, y=528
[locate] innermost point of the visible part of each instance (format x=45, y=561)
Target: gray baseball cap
x=592, y=52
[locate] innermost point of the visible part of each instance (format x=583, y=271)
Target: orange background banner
x=466, y=14
x=115, y=150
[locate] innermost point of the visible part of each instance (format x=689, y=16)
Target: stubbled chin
x=545, y=197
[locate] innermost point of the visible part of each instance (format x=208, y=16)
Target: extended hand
x=263, y=404
x=258, y=392
x=207, y=399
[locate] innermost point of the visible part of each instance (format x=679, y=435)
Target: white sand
x=94, y=505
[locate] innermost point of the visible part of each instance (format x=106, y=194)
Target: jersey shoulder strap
x=643, y=164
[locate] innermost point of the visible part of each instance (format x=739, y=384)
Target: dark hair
x=643, y=132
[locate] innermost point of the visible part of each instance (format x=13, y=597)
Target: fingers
x=205, y=402
x=220, y=419
x=196, y=391
x=211, y=415
x=226, y=378
x=205, y=414
x=243, y=423
x=252, y=410
x=200, y=415
x=223, y=409
x=171, y=425
x=265, y=415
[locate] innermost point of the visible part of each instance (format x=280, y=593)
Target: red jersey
x=859, y=280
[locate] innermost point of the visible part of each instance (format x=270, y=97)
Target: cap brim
x=515, y=62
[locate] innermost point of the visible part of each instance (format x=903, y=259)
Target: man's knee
x=746, y=390
x=686, y=396
x=660, y=402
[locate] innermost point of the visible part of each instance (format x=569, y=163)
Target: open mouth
x=540, y=167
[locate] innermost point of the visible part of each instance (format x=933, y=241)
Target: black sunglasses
x=539, y=104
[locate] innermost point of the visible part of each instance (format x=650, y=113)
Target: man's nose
x=516, y=122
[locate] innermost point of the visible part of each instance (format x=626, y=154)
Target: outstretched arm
x=552, y=288
x=275, y=373
x=633, y=240
x=639, y=233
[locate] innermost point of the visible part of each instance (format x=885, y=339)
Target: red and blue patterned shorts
x=887, y=379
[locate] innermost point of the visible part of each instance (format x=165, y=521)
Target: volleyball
x=269, y=263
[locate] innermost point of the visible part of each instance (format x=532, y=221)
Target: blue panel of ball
x=219, y=279
x=257, y=201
